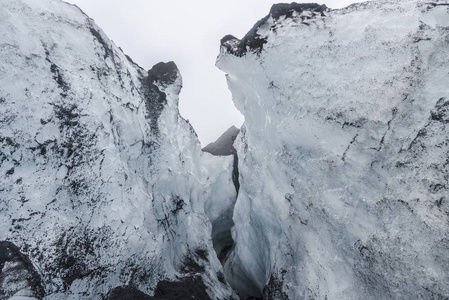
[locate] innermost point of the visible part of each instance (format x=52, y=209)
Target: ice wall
x=104, y=188
x=343, y=157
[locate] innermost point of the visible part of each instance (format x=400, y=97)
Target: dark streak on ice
x=155, y=99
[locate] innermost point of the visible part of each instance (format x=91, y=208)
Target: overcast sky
x=187, y=32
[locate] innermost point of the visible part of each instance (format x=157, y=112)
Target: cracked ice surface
x=97, y=189
x=343, y=154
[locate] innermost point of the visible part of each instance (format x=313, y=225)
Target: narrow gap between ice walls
x=222, y=226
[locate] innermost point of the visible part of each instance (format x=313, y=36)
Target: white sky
x=187, y=32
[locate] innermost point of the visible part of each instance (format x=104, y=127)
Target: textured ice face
x=343, y=155
x=343, y=160
x=103, y=184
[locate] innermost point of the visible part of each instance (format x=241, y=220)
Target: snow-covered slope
x=344, y=154
x=103, y=185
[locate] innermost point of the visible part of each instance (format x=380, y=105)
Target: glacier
x=104, y=189
x=336, y=187
x=343, y=156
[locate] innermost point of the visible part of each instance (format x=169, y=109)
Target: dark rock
x=227, y=38
x=273, y=290
x=165, y=73
x=17, y=273
x=126, y=292
x=188, y=288
x=223, y=146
